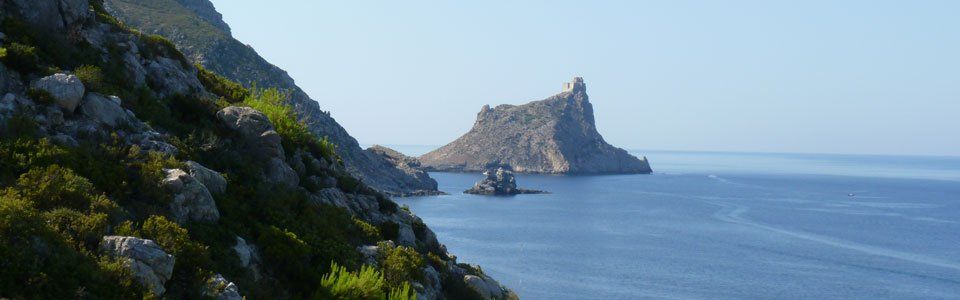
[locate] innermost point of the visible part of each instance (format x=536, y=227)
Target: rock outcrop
x=219, y=288
x=211, y=44
x=557, y=135
x=419, y=183
x=191, y=199
x=499, y=182
x=256, y=130
x=66, y=90
x=146, y=260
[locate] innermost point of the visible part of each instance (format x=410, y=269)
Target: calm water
x=717, y=226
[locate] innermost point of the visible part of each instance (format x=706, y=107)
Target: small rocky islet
x=499, y=182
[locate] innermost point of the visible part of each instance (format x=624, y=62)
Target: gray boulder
x=211, y=179
x=488, y=288
x=279, y=172
x=191, y=200
x=104, y=109
x=170, y=78
x=66, y=90
x=219, y=288
x=248, y=254
x=150, y=265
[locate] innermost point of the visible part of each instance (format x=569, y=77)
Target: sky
x=859, y=77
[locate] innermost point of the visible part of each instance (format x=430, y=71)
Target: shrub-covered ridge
x=79, y=168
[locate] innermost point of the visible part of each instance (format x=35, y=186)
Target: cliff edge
x=556, y=135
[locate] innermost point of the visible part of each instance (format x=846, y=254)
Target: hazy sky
x=772, y=76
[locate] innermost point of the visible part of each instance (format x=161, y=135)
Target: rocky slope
x=126, y=173
x=557, y=135
x=198, y=29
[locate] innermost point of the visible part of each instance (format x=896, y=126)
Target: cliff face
x=557, y=135
x=199, y=31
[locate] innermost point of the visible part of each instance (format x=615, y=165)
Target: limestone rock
x=249, y=256
x=557, y=135
x=255, y=128
x=103, y=109
x=191, y=200
x=488, y=288
x=499, y=182
x=66, y=90
x=219, y=288
x=416, y=182
x=171, y=78
x=52, y=14
x=148, y=262
x=211, y=179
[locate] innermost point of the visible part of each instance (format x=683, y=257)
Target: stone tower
x=576, y=84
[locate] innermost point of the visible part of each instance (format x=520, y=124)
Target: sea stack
x=499, y=182
x=556, y=135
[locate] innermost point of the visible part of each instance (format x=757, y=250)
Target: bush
x=273, y=103
x=54, y=186
x=91, y=76
x=400, y=264
x=22, y=58
x=367, y=284
x=40, y=96
x=231, y=91
x=19, y=126
x=83, y=231
x=342, y=284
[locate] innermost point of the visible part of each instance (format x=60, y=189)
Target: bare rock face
x=499, y=182
x=416, y=182
x=214, y=182
x=488, y=288
x=192, y=201
x=148, y=262
x=255, y=128
x=106, y=110
x=557, y=135
x=66, y=90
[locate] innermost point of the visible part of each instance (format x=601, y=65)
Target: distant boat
x=851, y=195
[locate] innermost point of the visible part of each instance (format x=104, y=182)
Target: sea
x=711, y=225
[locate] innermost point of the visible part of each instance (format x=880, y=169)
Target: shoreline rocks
x=499, y=182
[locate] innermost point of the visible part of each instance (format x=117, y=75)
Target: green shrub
x=400, y=264
x=39, y=264
x=231, y=91
x=54, y=186
x=367, y=284
x=368, y=232
x=273, y=103
x=83, y=231
x=19, y=126
x=91, y=76
x=22, y=58
x=40, y=96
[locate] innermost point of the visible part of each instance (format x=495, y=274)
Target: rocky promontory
x=556, y=135
x=499, y=182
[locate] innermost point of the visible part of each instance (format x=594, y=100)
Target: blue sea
x=716, y=226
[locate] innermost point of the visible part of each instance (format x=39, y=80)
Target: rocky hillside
x=199, y=31
x=126, y=172
x=557, y=135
